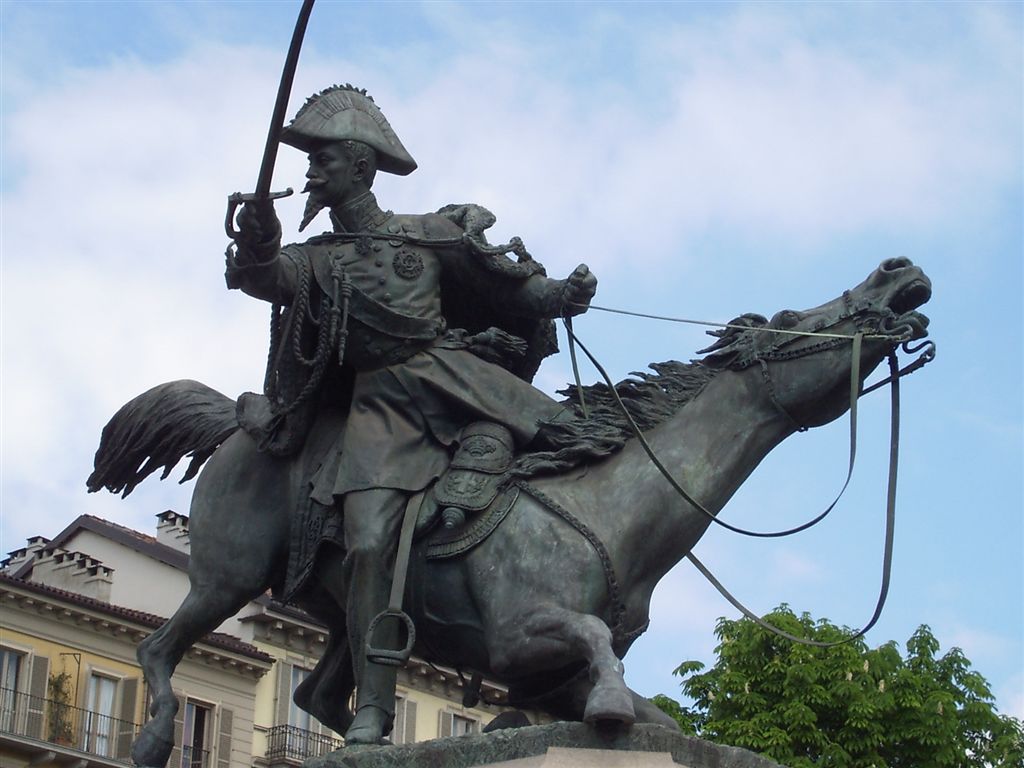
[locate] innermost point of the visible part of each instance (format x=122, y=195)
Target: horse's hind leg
x=202, y=611
x=569, y=702
x=550, y=637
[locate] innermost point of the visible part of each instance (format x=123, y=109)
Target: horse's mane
x=650, y=398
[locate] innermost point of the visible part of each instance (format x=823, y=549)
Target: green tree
x=849, y=706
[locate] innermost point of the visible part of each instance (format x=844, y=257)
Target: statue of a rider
x=413, y=326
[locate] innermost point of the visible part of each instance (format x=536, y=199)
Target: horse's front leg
x=549, y=637
x=202, y=611
x=239, y=530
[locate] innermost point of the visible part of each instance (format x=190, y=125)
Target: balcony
x=193, y=757
x=286, y=743
x=40, y=726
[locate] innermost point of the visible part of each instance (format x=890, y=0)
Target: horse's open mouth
x=911, y=296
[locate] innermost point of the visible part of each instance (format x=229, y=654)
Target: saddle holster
x=480, y=466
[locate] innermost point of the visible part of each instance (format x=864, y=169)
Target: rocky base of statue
x=558, y=745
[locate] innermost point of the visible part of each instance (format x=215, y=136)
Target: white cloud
x=977, y=643
x=792, y=566
x=1010, y=697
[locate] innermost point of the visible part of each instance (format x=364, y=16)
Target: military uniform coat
x=414, y=384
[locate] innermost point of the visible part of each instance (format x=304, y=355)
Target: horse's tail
x=157, y=429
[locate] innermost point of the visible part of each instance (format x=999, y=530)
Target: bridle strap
x=890, y=525
x=567, y=319
x=890, y=516
x=926, y=357
x=887, y=555
x=642, y=440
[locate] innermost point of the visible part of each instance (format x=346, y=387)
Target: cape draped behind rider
x=419, y=311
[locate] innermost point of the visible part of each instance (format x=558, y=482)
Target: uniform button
x=377, y=247
x=387, y=298
x=379, y=263
x=381, y=280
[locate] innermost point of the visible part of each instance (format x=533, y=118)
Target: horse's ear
x=729, y=340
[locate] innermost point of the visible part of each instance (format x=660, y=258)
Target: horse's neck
x=710, y=446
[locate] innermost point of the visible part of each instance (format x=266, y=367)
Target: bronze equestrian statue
x=398, y=389
x=411, y=374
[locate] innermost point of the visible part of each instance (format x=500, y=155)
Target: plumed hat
x=345, y=113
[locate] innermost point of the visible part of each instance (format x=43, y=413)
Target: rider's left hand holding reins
x=579, y=289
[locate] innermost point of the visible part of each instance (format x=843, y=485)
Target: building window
x=98, y=736
x=404, y=731
x=457, y=725
x=300, y=720
x=10, y=679
x=462, y=726
x=195, y=745
x=298, y=717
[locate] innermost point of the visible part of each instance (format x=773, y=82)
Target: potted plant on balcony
x=58, y=690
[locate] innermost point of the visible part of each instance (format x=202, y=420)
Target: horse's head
x=808, y=376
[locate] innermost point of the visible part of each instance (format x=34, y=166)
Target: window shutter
x=179, y=734
x=37, y=697
x=398, y=732
x=447, y=724
x=284, y=692
x=126, y=723
x=224, y=741
x=409, y=722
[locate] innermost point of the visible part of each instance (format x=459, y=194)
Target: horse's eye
x=787, y=318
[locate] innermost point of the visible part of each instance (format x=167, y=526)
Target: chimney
x=73, y=572
x=172, y=530
x=19, y=557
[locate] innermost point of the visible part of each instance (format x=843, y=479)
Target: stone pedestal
x=559, y=745
x=562, y=757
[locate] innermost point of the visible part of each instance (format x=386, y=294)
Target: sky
x=704, y=160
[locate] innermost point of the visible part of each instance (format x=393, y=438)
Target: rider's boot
x=375, y=705
x=372, y=522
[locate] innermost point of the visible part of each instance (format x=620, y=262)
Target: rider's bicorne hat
x=345, y=113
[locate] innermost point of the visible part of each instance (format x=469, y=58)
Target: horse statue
x=550, y=601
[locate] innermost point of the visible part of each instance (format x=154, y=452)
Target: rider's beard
x=313, y=207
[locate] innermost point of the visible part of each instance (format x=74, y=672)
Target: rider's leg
x=372, y=522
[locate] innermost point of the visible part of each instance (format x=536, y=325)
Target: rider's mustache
x=313, y=184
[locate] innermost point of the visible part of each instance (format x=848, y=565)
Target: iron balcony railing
x=193, y=757
x=62, y=724
x=286, y=742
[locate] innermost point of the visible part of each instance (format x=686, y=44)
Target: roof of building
x=139, y=542
x=215, y=639
x=149, y=546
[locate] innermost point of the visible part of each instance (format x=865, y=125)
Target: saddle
x=463, y=507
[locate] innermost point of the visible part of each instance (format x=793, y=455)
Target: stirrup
x=387, y=656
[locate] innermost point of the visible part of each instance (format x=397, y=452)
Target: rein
x=834, y=339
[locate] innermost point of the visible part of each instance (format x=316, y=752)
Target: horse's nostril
x=893, y=265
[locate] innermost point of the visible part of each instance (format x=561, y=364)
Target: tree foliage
x=848, y=706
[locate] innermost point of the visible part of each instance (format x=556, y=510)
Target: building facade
x=71, y=692
x=77, y=606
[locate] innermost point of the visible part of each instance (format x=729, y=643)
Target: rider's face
x=331, y=175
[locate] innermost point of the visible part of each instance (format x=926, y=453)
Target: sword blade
x=281, y=105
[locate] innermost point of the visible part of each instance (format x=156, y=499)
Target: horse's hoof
x=151, y=751
x=610, y=705
x=506, y=720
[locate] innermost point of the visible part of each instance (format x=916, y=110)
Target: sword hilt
x=240, y=198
